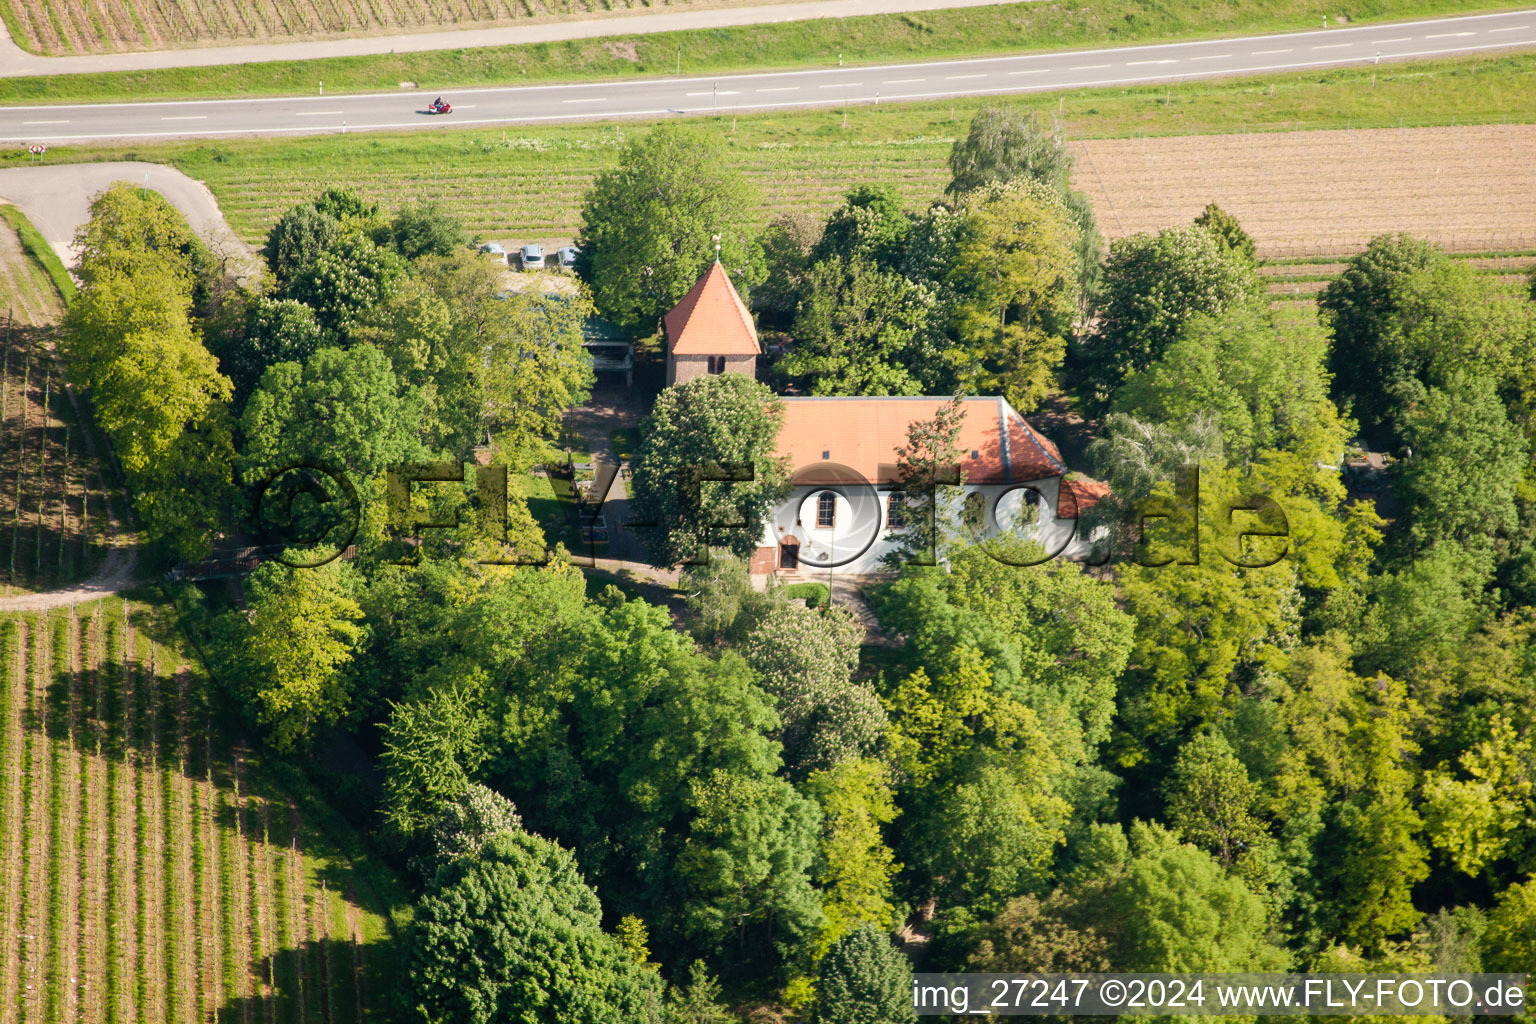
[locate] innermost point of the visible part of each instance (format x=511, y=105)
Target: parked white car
x=533, y=257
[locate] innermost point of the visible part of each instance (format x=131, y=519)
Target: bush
x=815, y=594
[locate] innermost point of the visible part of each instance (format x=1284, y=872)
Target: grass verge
x=39, y=250
x=925, y=35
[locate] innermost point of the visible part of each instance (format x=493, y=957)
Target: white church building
x=845, y=511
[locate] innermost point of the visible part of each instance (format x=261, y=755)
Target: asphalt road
x=776, y=90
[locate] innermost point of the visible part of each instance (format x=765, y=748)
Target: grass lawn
x=528, y=181
x=925, y=35
x=548, y=512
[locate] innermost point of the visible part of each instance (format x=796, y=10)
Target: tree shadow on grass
x=331, y=979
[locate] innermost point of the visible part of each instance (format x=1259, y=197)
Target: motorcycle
x=437, y=107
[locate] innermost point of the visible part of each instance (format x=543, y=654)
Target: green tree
x=128, y=221
x=787, y=242
x=1170, y=907
x=1052, y=634
x=928, y=468
x=1202, y=631
x=982, y=802
x=1152, y=285
x=515, y=936
x=1003, y=144
x=507, y=365
x=806, y=661
x=1423, y=609
x=1014, y=273
x=1392, y=958
x=348, y=208
x=648, y=225
x=1459, y=484
x=863, y=331
x=469, y=823
x=722, y=602
x=864, y=980
x=129, y=342
x=1135, y=455
x=698, y=1001
x=1207, y=630
x=1264, y=389
x=654, y=762
x=432, y=748
x=872, y=225
x=1509, y=944
x=747, y=861
x=1210, y=799
x=187, y=497
x=297, y=240
x=1360, y=307
x=343, y=407
x=345, y=282
x=1031, y=935
x=1377, y=827
x=708, y=426
x=273, y=331
x=854, y=867
x=425, y=228
x=1226, y=229
x=1475, y=817
x=534, y=369
x=290, y=650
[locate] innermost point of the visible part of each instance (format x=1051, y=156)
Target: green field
x=156, y=868
x=528, y=181
x=926, y=35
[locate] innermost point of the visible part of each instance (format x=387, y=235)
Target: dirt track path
x=117, y=574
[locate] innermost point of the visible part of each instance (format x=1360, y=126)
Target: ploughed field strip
x=148, y=869
x=1295, y=285
x=1325, y=193
x=58, y=27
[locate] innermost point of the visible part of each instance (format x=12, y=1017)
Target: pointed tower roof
x=712, y=320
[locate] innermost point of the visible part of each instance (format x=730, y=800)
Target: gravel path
x=57, y=197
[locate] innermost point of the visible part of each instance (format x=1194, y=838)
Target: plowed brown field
x=1470, y=189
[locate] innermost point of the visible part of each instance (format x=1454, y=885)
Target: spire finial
x=717, y=248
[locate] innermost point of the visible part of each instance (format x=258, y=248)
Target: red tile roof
x=711, y=320
x=864, y=433
x=1086, y=492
